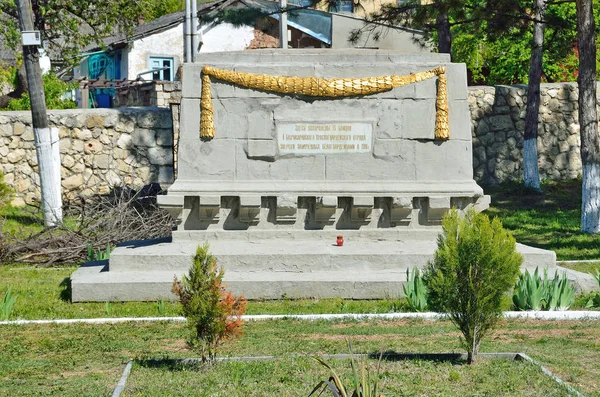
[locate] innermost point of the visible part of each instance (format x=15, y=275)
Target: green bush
x=6, y=193
x=54, y=89
x=594, y=297
x=475, y=263
x=213, y=314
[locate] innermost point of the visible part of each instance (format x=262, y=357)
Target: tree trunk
x=46, y=138
x=444, y=36
x=588, y=118
x=531, y=174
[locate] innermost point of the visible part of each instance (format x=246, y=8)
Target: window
x=343, y=6
x=163, y=68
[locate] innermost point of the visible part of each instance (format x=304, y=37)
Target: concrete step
x=93, y=284
x=268, y=269
x=295, y=255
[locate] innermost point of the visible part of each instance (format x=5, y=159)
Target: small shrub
x=475, y=263
x=415, y=291
x=98, y=255
x=54, y=91
x=594, y=298
x=364, y=384
x=213, y=313
x=6, y=193
x=7, y=305
x=534, y=292
x=160, y=307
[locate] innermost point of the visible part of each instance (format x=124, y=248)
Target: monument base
x=272, y=265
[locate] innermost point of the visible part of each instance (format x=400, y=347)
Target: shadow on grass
x=453, y=358
x=65, y=290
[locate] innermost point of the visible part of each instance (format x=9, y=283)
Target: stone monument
x=281, y=151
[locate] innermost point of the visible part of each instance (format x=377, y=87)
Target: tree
x=531, y=176
x=475, y=263
x=588, y=118
x=213, y=314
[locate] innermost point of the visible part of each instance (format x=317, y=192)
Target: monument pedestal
x=273, y=265
x=281, y=151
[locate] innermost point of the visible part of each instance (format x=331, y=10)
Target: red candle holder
x=340, y=241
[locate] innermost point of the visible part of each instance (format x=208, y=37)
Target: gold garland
x=318, y=87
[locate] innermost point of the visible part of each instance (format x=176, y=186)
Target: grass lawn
x=43, y=293
x=88, y=359
x=585, y=267
x=548, y=220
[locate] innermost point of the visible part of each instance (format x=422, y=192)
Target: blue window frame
x=164, y=68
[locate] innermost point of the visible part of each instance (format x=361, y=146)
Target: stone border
x=397, y=356
x=534, y=315
x=123, y=381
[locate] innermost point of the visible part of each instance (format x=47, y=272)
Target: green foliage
x=161, y=307
x=594, y=299
x=415, y=291
x=475, y=263
x=108, y=308
x=54, y=90
x=534, y=292
x=7, y=305
x=157, y=8
x=213, y=314
x=364, y=384
x=98, y=255
x=69, y=26
x=6, y=192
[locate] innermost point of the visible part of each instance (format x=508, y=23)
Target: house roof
x=157, y=25
x=312, y=22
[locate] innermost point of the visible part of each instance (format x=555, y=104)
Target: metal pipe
x=187, y=31
x=194, y=20
x=283, y=31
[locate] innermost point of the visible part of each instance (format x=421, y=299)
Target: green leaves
x=415, y=291
x=475, y=263
x=212, y=313
x=98, y=255
x=7, y=305
x=533, y=292
x=364, y=384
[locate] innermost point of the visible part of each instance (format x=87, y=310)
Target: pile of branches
x=98, y=221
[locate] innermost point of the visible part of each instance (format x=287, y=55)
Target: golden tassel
x=207, y=125
x=442, y=122
x=318, y=87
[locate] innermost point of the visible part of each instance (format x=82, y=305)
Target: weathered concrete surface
x=271, y=211
x=271, y=268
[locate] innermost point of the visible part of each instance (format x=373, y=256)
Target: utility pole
x=283, y=26
x=46, y=138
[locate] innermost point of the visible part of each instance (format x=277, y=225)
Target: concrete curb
x=387, y=356
x=123, y=381
x=545, y=370
x=539, y=315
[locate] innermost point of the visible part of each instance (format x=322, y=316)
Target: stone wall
x=100, y=149
x=152, y=93
x=498, y=122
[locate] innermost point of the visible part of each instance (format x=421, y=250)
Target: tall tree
x=588, y=118
x=531, y=176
